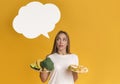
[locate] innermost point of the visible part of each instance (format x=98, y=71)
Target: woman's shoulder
x=51, y=55
x=73, y=54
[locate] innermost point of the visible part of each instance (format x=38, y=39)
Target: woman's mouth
x=61, y=45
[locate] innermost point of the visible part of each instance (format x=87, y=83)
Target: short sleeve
x=76, y=60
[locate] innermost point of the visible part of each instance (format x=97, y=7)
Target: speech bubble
x=35, y=19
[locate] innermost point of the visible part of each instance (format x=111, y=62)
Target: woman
x=62, y=59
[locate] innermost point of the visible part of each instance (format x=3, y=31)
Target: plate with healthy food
x=43, y=65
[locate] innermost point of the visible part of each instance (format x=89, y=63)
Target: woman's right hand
x=44, y=74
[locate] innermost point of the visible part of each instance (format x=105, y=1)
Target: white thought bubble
x=36, y=18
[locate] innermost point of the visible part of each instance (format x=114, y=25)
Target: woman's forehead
x=62, y=35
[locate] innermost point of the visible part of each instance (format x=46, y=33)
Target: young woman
x=62, y=59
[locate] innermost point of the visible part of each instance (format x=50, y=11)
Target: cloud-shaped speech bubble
x=36, y=18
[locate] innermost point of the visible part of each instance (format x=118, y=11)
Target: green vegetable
x=48, y=64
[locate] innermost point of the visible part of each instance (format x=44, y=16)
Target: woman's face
x=62, y=42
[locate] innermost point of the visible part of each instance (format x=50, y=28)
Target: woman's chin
x=61, y=49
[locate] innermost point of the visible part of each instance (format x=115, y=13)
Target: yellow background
x=94, y=29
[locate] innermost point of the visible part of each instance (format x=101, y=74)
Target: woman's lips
x=61, y=45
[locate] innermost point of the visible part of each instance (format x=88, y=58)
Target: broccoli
x=47, y=64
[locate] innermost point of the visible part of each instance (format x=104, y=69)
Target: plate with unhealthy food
x=78, y=68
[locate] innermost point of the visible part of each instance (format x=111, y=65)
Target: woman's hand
x=73, y=69
x=44, y=74
x=75, y=76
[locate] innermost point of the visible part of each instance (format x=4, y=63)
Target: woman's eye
x=58, y=39
x=64, y=39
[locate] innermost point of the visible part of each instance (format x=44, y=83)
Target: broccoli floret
x=47, y=63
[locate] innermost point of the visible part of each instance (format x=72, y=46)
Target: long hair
x=55, y=49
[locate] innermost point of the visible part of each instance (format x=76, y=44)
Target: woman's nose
x=61, y=41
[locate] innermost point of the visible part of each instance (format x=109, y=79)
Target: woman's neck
x=62, y=52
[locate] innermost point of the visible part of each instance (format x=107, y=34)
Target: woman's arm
x=75, y=76
x=44, y=76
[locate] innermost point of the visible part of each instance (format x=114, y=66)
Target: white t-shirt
x=60, y=74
